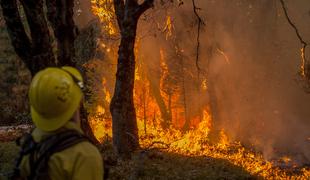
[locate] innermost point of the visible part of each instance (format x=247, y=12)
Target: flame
x=169, y=27
x=204, y=85
x=105, y=11
x=100, y=110
x=286, y=159
x=196, y=143
x=224, y=141
x=303, y=62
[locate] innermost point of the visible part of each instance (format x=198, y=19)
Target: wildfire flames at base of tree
x=197, y=143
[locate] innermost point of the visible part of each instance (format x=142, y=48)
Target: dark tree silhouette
x=125, y=131
x=36, y=48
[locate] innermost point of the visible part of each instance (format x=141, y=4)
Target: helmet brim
x=54, y=123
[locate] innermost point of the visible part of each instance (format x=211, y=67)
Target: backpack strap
x=47, y=147
x=27, y=145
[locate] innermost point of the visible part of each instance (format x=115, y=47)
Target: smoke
x=82, y=13
x=258, y=98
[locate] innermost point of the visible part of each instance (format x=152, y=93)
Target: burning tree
x=167, y=88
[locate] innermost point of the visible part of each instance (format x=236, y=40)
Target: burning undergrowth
x=196, y=143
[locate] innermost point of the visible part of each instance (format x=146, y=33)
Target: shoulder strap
x=27, y=144
x=47, y=147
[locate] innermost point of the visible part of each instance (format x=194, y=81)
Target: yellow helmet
x=55, y=94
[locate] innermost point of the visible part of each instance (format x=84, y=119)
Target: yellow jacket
x=78, y=162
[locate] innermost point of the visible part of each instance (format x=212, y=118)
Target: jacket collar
x=39, y=134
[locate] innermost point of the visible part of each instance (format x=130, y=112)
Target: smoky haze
x=249, y=55
x=258, y=98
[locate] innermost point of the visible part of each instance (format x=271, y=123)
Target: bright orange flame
x=169, y=27
x=204, y=85
x=303, y=62
x=105, y=11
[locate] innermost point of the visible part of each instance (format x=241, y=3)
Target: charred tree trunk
x=124, y=126
x=215, y=129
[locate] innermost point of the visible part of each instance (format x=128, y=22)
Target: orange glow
x=224, y=54
x=286, y=159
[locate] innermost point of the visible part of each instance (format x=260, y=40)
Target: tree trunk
x=60, y=14
x=36, y=52
x=165, y=114
x=186, y=125
x=124, y=124
x=86, y=127
x=215, y=126
x=125, y=131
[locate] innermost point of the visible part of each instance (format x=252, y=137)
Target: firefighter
x=57, y=149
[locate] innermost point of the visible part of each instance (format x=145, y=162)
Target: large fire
x=171, y=138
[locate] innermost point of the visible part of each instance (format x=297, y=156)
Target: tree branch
x=131, y=3
x=147, y=4
x=119, y=7
x=200, y=23
x=304, y=70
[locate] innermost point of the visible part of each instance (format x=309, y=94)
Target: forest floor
x=157, y=163
x=150, y=165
